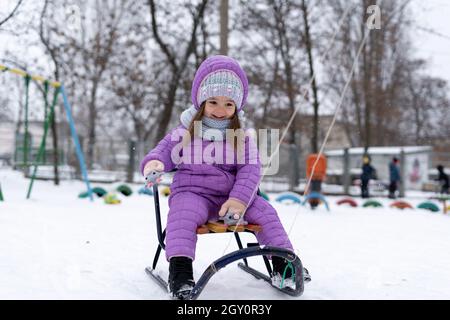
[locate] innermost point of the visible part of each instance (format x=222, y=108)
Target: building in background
x=417, y=163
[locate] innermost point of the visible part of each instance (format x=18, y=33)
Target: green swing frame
x=49, y=113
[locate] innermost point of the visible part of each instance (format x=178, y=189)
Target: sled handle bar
x=158, y=217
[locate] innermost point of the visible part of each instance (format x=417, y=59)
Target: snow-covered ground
x=56, y=246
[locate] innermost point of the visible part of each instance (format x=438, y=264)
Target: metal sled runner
x=253, y=249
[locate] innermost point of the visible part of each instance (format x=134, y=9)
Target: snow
x=56, y=246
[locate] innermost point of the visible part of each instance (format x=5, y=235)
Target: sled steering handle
x=153, y=178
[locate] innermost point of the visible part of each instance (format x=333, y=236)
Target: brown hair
x=234, y=124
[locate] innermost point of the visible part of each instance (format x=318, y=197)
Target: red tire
x=401, y=205
x=349, y=201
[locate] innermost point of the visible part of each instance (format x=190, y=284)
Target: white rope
x=338, y=108
x=341, y=21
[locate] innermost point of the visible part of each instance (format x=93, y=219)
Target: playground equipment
x=49, y=115
x=401, y=205
x=111, y=198
x=166, y=191
x=291, y=196
x=83, y=195
x=316, y=167
x=99, y=191
x=314, y=199
x=125, y=190
x=348, y=201
x=429, y=206
x=253, y=250
x=443, y=198
x=145, y=191
x=372, y=204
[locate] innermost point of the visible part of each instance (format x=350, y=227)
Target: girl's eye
x=212, y=102
x=230, y=105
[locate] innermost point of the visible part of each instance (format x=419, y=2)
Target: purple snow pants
x=189, y=210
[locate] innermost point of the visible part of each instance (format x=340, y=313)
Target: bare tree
x=53, y=52
x=224, y=8
x=273, y=50
x=176, y=62
x=312, y=74
x=86, y=49
x=374, y=100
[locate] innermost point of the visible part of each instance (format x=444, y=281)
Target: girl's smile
x=219, y=108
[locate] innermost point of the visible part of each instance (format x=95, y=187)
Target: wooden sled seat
x=220, y=227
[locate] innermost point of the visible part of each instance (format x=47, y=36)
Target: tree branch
x=161, y=43
x=12, y=13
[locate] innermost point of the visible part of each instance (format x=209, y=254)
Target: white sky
x=433, y=14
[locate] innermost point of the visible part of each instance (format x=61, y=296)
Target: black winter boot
x=181, y=278
x=280, y=265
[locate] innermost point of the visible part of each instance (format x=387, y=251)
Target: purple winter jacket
x=238, y=178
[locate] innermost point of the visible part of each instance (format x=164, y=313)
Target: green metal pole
x=25, y=139
x=44, y=138
x=1, y=194
x=46, y=86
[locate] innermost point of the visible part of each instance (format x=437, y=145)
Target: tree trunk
x=168, y=108
x=308, y=44
x=92, y=125
x=224, y=27
x=53, y=120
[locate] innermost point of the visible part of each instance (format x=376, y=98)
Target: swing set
x=49, y=113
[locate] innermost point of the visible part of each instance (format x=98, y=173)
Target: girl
x=206, y=187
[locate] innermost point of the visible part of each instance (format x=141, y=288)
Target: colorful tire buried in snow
x=372, y=204
x=166, y=191
x=146, y=191
x=289, y=196
x=429, y=206
x=348, y=201
x=265, y=196
x=111, y=198
x=83, y=195
x=100, y=192
x=125, y=190
x=401, y=205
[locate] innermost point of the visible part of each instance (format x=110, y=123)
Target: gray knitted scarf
x=212, y=129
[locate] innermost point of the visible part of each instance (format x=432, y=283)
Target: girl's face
x=219, y=108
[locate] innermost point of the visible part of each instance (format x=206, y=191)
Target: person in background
x=443, y=179
x=368, y=172
x=394, y=177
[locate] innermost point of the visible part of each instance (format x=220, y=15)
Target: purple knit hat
x=220, y=76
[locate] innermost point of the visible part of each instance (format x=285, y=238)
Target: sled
x=252, y=250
